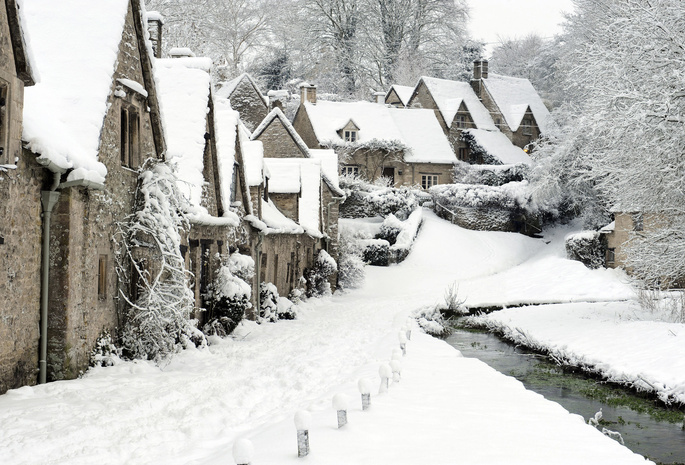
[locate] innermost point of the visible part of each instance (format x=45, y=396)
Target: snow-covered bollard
x=303, y=420
x=396, y=354
x=407, y=331
x=402, y=336
x=364, y=386
x=243, y=451
x=396, y=366
x=340, y=403
x=385, y=373
x=408, y=325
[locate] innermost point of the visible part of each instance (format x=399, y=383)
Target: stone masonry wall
x=303, y=126
x=83, y=227
x=278, y=143
x=288, y=204
x=246, y=101
x=293, y=252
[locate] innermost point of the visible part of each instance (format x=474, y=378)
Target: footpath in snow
x=446, y=408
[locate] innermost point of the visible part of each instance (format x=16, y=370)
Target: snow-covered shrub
x=405, y=239
x=286, y=309
x=317, y=277
x=586, y=247
x=268, y=300
x=376, y=252
x=364, y=199
x=229, y=295
x=105, y=353
x=158, y=322
x=454, y=304
x=350, y=264
x=489, y=175
x=431, y=321
x=390, y=229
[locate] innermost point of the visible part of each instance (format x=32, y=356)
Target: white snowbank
x=499, y=146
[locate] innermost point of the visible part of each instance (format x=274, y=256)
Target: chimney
x=480, y=71
x=307, y=93
x=181, y=52
x=484, y=68
x=379, y=97
x=155, y=21
x=278, y=99
x=477, y=70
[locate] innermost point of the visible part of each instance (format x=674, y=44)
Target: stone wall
x=284, y=258
x=303, y=126
x=278, y=143
x=288, y=204
x=246, y=100
x=393, y=99
x=83, y=225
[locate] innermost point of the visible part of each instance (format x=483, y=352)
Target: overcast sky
x=491, y=19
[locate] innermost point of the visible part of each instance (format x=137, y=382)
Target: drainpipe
x=48, y=201
x=258, y=270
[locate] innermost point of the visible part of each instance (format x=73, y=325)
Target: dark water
x=647, y=428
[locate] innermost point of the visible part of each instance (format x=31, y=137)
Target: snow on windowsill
x=133, y=85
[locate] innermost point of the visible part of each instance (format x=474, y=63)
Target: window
x=461, y=121
x=276, y=269
x=262, y=271
x=4, y=124
x=130, y=137
x=428, y=180
x=102, y=277
x=350, y=136
x=611, y=256
x=463, y=153
x=638, y=223
x=349, y=170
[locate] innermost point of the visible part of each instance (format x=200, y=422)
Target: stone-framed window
x=129, y=147
x=428, y=180
x=464, y=153
x=4, y=123
x=349, y=170
x=462, y=121
x=350, y=135
x=102, y=277
x=611, y=256
x=638, y=222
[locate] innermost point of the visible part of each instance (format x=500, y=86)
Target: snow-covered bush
x=431, y=321
x=376, y=251
x=366, y=200
x=318, y=277
x=489, y=175
x=274, y=307
x=350, y=264
x=390, y=229
x=405, y=239
x=229, y=295
x=105, y=353
x=158, y=322
x=454, y=304
x=586, y=247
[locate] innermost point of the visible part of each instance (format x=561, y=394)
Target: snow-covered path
x=192, y=410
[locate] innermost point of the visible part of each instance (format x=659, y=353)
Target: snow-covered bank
x=191, y=410
x=618, y=340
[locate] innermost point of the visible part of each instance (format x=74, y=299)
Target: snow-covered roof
x=417, y=129
x=329, y=164
x=404, y=93
x=276, y=222
x=304, y=173
x=253, y=157
x=23, y=56
x=499, y=146
x=75, y=44
x=227, y=88
x=226, y=131
x=513, y=96
x=449, y=95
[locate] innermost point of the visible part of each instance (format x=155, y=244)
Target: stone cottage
x=303, y=189
x=513, y=103
x=398, y=96
x=89, y=125
x=372, y=140
x=459, y=111
x=21, y=181
x=246, y=98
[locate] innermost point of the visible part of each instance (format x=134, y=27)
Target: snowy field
x=446, y=409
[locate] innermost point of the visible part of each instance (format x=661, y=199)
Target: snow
x=180, y=52
x=75, y=45
x=285, y=176
x=276, y=222
x=448, y=96
x=417, y=129
x=410, y=228
x=27, y=48
x=513, y=96
x=403, y=92
x=499, y=146
x=640, y=352
x=134, y=86
x=154, y=16
x=329, y=166
x=226, y=131
x=249, y=386
x=253, y=157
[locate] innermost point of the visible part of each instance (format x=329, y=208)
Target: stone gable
x=278, y=143
x=247, y=101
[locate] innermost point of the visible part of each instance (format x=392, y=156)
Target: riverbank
x=619, y=341
x=192, y=409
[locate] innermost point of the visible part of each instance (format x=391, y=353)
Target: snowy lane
x=191, y=410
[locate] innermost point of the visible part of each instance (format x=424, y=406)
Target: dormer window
x=350, y=136
x=461, y=121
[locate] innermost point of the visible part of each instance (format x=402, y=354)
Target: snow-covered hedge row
x=367, y=200
x=586, y=247
x=489, y=175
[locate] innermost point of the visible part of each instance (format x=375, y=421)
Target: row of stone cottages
x=83, y=104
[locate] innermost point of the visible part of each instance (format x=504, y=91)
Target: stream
x=647, y=427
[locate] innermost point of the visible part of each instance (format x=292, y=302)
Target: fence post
x=303, y=421
x=243, y=451
x=340, y=402
x=364, y=386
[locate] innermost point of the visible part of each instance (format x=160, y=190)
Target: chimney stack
x=379, y=97
x=484, y=68
x=155, y=21
x=278, y=99
x=307, y=93
x=181, y=52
